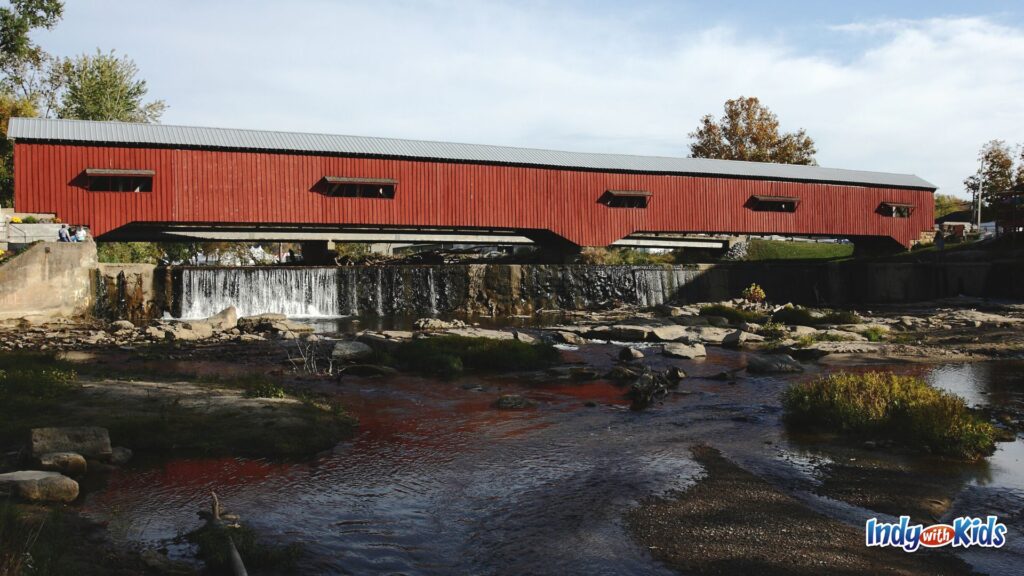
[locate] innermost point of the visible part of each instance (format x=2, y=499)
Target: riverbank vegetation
x=881, y=405
x=245, y=416
x=759, y=249
x=449, y=356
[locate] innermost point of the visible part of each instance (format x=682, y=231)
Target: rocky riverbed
x=706, y=380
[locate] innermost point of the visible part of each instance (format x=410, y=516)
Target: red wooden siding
x=206, y=186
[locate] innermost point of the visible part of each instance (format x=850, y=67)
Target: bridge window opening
x=626, y=198
x=773, y=203
x=896, y=209
x=338, y=187
x=100, y=180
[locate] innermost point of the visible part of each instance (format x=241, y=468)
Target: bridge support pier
x=553, y=249
x=317, y=253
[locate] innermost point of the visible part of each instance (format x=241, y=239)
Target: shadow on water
x=439, y=482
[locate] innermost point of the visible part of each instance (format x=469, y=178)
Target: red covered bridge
x=150, y=181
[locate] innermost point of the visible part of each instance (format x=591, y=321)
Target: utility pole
x=981, y=187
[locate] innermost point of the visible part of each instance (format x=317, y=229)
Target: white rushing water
x=295, y=292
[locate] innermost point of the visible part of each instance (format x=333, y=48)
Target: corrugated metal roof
x=83, y=131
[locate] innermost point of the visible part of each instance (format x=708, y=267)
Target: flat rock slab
x=89, y=441
x=819, y=349
x=481, y=333
x=685, y=351
x=38, y=486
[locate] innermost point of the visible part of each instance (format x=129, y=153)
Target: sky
x=911, y=87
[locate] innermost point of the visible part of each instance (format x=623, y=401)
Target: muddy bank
x=732, y=522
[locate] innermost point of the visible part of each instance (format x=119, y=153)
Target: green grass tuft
x=451, y=355
x=904, y=409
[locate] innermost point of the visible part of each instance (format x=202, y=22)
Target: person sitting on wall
x=73, y=235
x=62, y=234
x=80, y=234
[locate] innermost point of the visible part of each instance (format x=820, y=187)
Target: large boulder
x=260, y=322
x=739, y=338
x=38, y=486
x=682, y=350
x=350, y=351
x=70, y=463
x=773, y=364
x=189, y=331
x=226, y=319
x=709, y=334
x=89, y=441
x=627, y=354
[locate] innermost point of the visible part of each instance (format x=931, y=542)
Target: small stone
x=512, y=402
x=628, y=354
x=120, y=455
x=569, y=338
x=675, y=374
x=122, y=326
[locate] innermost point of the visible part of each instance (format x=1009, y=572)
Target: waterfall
x=295, y=292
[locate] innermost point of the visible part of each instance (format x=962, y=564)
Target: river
x=439, y=482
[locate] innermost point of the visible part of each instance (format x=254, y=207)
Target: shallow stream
x=439, y=482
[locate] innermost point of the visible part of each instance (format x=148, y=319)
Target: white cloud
x=913, y=96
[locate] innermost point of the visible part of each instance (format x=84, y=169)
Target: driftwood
x=237, y=567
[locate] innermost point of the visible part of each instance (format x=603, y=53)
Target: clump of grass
x=451, y=355
x=29, y=384
x=264, y=388
x=732, y=314
x=875, y=334
x=212, y=542
x=804, y=317
x=37, y=543
x=904, y=409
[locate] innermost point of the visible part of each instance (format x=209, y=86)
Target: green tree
x=9, y=108
x=749, y=131
x=105, y=87
x=947, y=204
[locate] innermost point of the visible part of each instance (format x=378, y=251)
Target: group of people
x=66, y=234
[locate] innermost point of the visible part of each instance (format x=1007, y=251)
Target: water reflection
x=438, y=482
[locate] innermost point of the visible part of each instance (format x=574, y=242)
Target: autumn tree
x=105, y=87
x=748, y=130
x=996, y=174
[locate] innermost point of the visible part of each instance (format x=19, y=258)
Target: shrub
x=874, y=334
x=733, y=315
x=904, y=409
x=754, y=294
x=30, y=220
x=15, y=220
x=772, y=330
x=625, y=256
x=451, y=355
